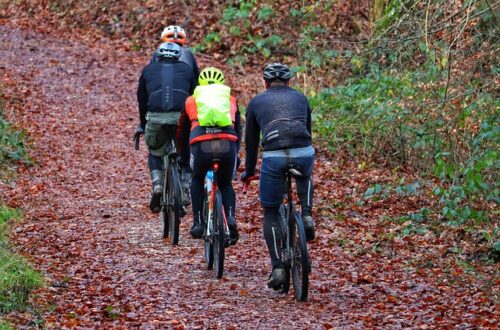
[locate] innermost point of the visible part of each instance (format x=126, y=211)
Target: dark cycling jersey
x=284, y=117
x=164, y=87
x=186, y=57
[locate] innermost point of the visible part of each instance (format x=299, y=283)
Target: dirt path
x=89, y=229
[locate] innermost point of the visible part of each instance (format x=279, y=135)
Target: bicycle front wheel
x=218, y=236
x=300, y=257
x=164, y=204
x=174, y=203
x=208, y=233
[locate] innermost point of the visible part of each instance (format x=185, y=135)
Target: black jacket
x=284, y=117
x=186, y=57
x=164, y=86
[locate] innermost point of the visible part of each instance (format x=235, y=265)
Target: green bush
x=12, y=145
x=401, y=119
x=371, y=115
x=17, y=278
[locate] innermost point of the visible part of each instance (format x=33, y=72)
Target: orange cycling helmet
x=174, y=33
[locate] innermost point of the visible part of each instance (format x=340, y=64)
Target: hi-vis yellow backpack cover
x=213, y=99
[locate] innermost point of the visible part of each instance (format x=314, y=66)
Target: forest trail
x=89, y=230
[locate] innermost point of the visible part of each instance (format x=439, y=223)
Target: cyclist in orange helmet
x=161, y=95
x=176, y=34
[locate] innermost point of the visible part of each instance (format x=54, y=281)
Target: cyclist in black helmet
x=162, y=92
x=283, y=115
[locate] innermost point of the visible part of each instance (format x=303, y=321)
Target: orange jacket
x=189, y=130
x=199, y=133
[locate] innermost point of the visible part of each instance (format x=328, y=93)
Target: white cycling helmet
x=173, y=33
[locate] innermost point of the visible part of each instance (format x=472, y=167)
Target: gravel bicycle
x=294, y=254
x=172, y=193
x=172, y=196
x=216, y=230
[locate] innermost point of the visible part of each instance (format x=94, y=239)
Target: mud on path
x=88, y=228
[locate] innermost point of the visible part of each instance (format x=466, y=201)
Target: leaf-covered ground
x=88, y=228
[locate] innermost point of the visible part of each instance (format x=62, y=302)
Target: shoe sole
x=154, y=205
x=196, y=236
x=277, y=287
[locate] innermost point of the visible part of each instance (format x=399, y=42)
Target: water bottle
x=208, y=180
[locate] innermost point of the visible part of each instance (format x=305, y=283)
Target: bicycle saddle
x=294, y=170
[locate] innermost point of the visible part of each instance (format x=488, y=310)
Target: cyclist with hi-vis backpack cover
x=211, y=125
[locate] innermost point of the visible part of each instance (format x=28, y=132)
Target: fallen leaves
x=88, y=227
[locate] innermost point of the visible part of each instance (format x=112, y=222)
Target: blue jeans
x=272, y=177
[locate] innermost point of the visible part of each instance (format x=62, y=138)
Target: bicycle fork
x=213, y=189
x=210, y=215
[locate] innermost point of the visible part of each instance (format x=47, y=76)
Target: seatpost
x=215, y=167
x=289, y=186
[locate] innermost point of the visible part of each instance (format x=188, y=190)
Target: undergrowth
x=17, y=278
x=423, y=96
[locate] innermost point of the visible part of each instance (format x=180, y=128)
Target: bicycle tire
x=300, y=258
x=284, y=247
x=208, y=246
x=164, y=213
x=219, y=235
x=174, y=203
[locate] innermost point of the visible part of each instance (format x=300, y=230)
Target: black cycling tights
x=204, y=152
x=272, y=234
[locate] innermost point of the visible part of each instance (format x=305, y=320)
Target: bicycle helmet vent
x=277, y=71
x=211, y=76
x=174, y=33
x=169, y=50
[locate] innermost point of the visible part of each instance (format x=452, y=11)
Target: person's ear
x=265, y=83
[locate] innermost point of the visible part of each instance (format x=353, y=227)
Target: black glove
x=137, y=136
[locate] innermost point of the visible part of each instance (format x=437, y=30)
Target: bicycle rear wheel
x=209, y=248
x=300, y=257
x=218, y=236
x=284, y=247
x=164, y=204
x=174, y=203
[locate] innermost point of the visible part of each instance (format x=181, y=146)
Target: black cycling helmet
x=169, y=50
x=277, y=71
